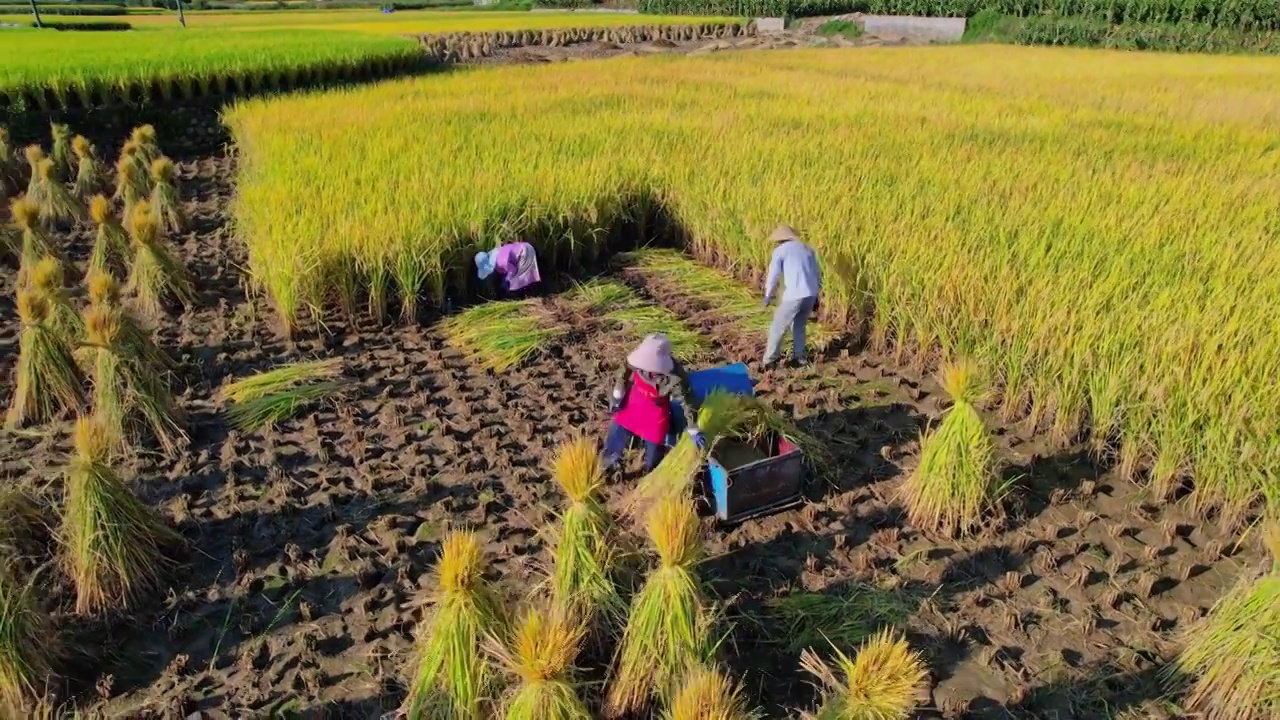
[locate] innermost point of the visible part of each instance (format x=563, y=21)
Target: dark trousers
x=619, y=439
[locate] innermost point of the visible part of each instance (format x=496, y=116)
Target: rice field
x=1103, y=238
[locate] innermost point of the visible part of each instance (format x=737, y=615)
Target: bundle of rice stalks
x=129, y=396
x=111, y=244
x=706, y=693
x=114, y=543
x=105, y=291
x=1233, y=655
x=35, y=243
x=28, y=642
x=722, y=413
x=842, y=617
x=270, y=397
x=957, y=479
x=133, y=184
x=540, y=655
x=883, y=681
x=156, y=271
x=503, y=334
x=56, y=202
x=47, y=278
x=63, y=158
x=452, y=678
x=34, y=155
x=585, y=545
x=164, y=196
x=620, y=306
x=10, y=169
x=148, y=148
x=46, y=381
x=90, y=179
x=668, y=630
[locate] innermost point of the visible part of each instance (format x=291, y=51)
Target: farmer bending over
x=797, y=264
x=515, y=263
x=641, y=403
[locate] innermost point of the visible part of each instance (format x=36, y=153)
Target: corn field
x=1101, y=228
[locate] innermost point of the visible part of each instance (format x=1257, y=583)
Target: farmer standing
x=797, y=265
x=515, y=263
x=641, y=403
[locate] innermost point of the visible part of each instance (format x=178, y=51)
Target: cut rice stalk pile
x=620, y=306
x=63, y=155
x=48, y=278
x=1233, y=656
x=57, y=204
x=89, y=176
x=540, y=656
x=707, y=693
x=35, y=242
x=156, y=273
x=503, y=334
x=956, y=484
x=114, y=544
x=452, y=678
x=669, y=628
x=47, y=381
x=111, y=243
x=276, y=395
x=586, y=543
x=843, y=617
x=29, y=644
x=884, y=681
x=134, y=337
x=164, y=196
x=715, y=289
x=133, y=183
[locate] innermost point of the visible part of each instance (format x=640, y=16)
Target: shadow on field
x=1105, y=692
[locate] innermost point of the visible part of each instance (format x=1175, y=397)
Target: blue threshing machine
x=740, y=483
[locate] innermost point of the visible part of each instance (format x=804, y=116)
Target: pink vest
x=645, y=412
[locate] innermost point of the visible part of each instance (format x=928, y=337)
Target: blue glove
x=699, y=440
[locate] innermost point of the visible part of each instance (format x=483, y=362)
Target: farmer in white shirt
x=797, y=264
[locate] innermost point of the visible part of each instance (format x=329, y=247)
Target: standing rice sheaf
x=953, y=489
x=885, y=680
x=1232, y=657
x=586, y=543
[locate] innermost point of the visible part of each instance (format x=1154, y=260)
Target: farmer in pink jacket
x=641, y=403
x=515, y=263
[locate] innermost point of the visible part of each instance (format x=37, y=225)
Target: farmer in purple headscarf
x=515, y=263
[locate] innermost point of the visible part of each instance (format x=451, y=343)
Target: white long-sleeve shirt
x=797, y=265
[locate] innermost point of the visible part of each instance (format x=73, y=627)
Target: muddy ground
x=312, y=543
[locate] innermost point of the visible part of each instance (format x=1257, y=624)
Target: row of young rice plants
x=49, y=70
x=1098, y=228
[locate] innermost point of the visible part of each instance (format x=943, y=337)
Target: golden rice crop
x=46, y=381
x=586, y=546
x=540, y=655
x=157, y=273
x=707, y=693
x=164, y=195
x=956, y=482
x=89, y=178
x=111, y=243
x=502, y=334
x=882, y=682
x=1103, y=239
x=63, y=156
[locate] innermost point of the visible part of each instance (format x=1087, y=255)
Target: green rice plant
x=164, y=196
x=619, y=306
x=157, y=272
x=48, y=279
x=884, y=681
x=34, y=155
x=276, y=395
x=129, y=396
x=452, y=679
x=105, y=291
x=957, y=480
x=716, y=289
x=111, y=242
x=29, y=645
x=1232, y=656
x=90, y=179
x=63, y=157
x=46, y=380
x=669, y=627
x=844, y=617
x=540, y=655
x=57, y=204
x=586, y=543
x=35, y=242
x=503, y=334
x=707, y=693
x=114, y=544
